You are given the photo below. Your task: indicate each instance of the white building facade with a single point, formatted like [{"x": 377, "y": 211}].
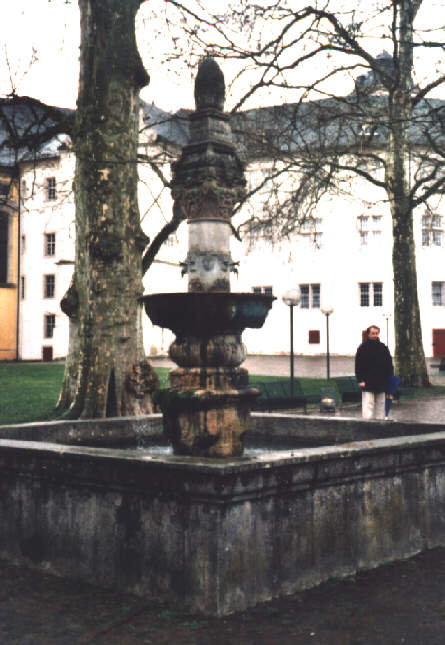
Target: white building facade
[
  {"x": 342, "y": 257},
  {"x": 343, "y": 262}
]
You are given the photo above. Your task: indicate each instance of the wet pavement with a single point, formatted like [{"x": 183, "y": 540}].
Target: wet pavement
[
  {"x": 402, "y": 602},
  {"x": 304, "y": 366},
  {"x": 428, "y": 409},
  {"x": 279, "y": 365}
]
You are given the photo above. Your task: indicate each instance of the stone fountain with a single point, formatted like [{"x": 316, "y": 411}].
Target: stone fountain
[
  {"x": 204, "y": 415},
  {"x": 216, "y": 535}
]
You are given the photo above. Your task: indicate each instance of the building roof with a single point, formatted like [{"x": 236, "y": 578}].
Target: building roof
[
  {"x": 172, "y": 129},
  {"x": 341, "y": 123},
  {"x": 346, "y": 123},
  {"x": 30, "y": 129}
]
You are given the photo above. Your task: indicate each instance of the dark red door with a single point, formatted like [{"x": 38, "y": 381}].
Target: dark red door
[
  {"x": 47, "y": 354},
  {"x": 438, "y": 343}
]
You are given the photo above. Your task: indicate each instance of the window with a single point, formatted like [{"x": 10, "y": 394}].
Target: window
[
  {"x": 22, "y": 287},
  {"x": 314, "y": 336},
  {"x": 437, "y": 294},
  {"x": 364, "y": 294},
  {"x": 310, "y": 230},
  {"x": 317, "y": 239},
  {"x": 437, "y": 238},
  {"x": 264, "y": 234},
  {"x": 378, "y": 294},
  {"x": 49, "y": 286},
  {"x": 23, "y": 244},
  {"x": 49, "y": 325},
  {"x": 371, "y": 294},
  {"x": 315, "y": 296},
  {"x": 51, "y": 192},
  {"x": 50, "y": 243},
  {"x": 432, "y": 231},
  {"x": 310, "y": 225},
  {"x": 172, "y": 240},
  {"x": 304, "y": 290},
  {"x": 369, "y": 228},
  {"x": 310, "y": 296},
  {"x": 268, "y": 291}
]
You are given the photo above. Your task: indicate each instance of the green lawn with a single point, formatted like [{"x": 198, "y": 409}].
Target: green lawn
[{"x": 29, "y": 391}]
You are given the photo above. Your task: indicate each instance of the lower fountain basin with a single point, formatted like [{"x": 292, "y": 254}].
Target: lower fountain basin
[
  {"x": 217, "y": 536},
  {"x": 206, "y": 314}
]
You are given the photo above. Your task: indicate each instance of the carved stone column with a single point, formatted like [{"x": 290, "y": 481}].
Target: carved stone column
[{"x": 203, "y": 413}]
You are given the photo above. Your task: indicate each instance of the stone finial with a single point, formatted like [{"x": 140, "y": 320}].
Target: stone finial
[
  {"x": 208, "y": 180},
  {"x": 210, "y": 88}
]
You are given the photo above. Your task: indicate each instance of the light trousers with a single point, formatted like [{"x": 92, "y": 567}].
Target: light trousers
[{"x": 373, "y": 405}]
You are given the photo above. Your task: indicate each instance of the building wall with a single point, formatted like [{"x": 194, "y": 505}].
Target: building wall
[
  {"x": 42, "y": 216},
  {"x": 8, "y": 286},
  {"x": 338, "y": 264},
  {"x": 164, "y": 276}
]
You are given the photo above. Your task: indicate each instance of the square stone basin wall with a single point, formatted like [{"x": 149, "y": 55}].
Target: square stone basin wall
[{"x": 211, "y": 535}]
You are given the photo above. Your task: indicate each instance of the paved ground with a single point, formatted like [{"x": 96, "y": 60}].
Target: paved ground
[
  {"x": 303, "y": 366},
  {"x": 431, "y": 409},
  {"x": 397, "y": 603}
]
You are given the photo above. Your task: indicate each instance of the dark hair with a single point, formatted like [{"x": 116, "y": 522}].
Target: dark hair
[{"x": 371, "y": 327}]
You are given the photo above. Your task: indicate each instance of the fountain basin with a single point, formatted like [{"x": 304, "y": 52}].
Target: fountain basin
[
  {"x": 205, "y": 314},
  {"x": 203, "y": 414},
  {"x": 219, "y": 536}
]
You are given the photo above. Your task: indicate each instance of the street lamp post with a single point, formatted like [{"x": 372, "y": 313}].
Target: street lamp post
[
  {"x": 387, "y": 316},
  {"x": 292, "y": 298},
  {"x": 327, "y": 311}
]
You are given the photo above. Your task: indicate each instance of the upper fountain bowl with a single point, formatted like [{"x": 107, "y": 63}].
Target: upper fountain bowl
[{"x": 207, "y": 313}]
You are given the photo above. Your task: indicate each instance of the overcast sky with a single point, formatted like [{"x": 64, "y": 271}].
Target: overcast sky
[{"x": 48, "y": 30}]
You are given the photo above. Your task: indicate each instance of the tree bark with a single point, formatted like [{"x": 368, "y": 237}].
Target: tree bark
[
  {"x": 106, "y": 372},
  {"x": 410, "y": 357}
]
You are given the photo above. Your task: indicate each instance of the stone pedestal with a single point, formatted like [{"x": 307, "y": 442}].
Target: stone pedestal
[{"x": 203, "y": 414}]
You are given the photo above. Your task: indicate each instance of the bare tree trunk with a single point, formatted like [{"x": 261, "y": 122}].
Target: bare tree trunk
[
  {"x": 107, "y": 373},
  {"x": 409, "y": 354},
  {"x": 410, "y": 357},
  {"x": 70, "y": 307}
]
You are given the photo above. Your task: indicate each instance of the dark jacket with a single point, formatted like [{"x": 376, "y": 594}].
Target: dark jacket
[{"x": 373, "y": 365}]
